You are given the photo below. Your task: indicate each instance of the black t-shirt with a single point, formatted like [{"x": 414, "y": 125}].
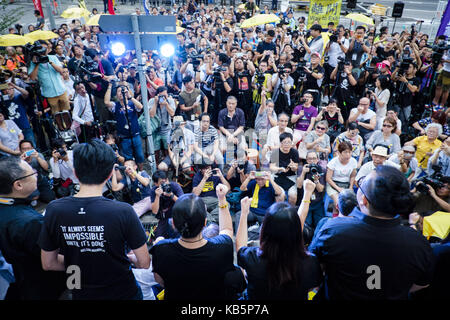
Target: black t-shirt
[
  {"x": 20, "y": 226},
  {"x": 356, "y": 252},
  {"x": 311, "y": 82},
  {"x": 405, "y": 96},
  {"x": 282, "y": 160},
  {"x": 194, "y": 274},
  {"x": 94, "y": 234},
  {"x": 333, "y": 121},
  {"x": 309, "y": 276},
  {"x": 263, "y": 46},
  {"x": 382, "y": 54}
]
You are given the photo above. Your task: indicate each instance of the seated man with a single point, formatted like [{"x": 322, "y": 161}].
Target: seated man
[
  {"x": 231, "y": 123},
  {"x": 366, "y": 118},
  {"x": 181, "y": 147},
  {"x": 138, "y": 183},
  {"x": 206, "y": 145},
  {"x": 264, "y": 192},
  {"x": 38, "y": 163},
  {"x": 239, "y": 170},
  {"x": 273, "y": 136},
  {"x": 163, "y": 196},
  {"x": 380, "y": 156},
  {"x": 204, "y": 185}
]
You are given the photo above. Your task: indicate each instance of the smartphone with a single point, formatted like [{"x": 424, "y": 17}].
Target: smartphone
[
  {"x": 29, "y": 152},
  {"x": 259, "y": 174},
  {"x": 216, "y": 171}
]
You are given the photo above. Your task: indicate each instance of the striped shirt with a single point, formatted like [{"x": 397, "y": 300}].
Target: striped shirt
[{"x": 206, "y": 138}]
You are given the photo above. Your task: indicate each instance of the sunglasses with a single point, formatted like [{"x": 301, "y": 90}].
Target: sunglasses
[
  {"x": 321, "y": 128},
  {"x": 387, "y": 126}
]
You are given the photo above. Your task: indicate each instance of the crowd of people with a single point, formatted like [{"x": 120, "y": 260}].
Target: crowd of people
[{"x": 313, "y": 154}]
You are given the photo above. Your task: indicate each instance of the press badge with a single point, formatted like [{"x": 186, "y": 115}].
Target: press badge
[
  {"x": 12, "y": 130},
  {"x": 354, "y": 56}
]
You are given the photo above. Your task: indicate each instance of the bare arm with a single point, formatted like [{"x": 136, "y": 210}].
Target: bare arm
[{"x": 52, "y": 261}]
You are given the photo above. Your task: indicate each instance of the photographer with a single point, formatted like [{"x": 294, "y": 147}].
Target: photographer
[
  {"x": 48, "y": 71},
  {"x": 344, "y": 87},
  {"x": 242, "y": 71},
  {"x": 82, "y": 114},
  {"x": 191, "y": 101},
  {"x": 407, "y": 85},
  {"x": 125, "y": 112},
  {"x": 61, "y": 164},
  {"x": 239, "y": 170},
  {"x": 314, "y": 172},
  {"x": 316, "y": 42},
  {"x": 262, "y": 80},
  {"x": 432, "y": 199},
  {"x": 264, "y": 47},
  {"x": 336, "y": 48},
  {"x": 164, "y": 107},
  {"x": 222, "y": 88},
  {"x": 357, "y": 48},
  {"x": 163, "y": 195},
  {"x": 441, "y": 159},
  {"x": 282, "y": 83},
  {"x": 314, "y": 78},
  {"x": 138, "y": 183}
]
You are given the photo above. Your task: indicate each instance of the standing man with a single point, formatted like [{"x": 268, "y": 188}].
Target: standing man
[
  {"x": 20, "y": 226},
  {"x": 316, "y": 42},
  {"x": 94, "y": 231},
  {"x": 40, "y": 20}
]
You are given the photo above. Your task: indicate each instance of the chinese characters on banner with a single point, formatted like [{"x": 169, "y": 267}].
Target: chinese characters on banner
[
  {"x": 324, "y": 11},
  {"x": 38, "y": 6}
]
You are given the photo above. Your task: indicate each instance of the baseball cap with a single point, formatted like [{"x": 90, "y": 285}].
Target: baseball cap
[{"x": 316, "y": 53}]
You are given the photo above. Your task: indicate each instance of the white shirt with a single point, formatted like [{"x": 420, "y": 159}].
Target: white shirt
[
  {"x": 62, "y": 169},
  {"x": 383, "y": 96},
  {"x": 363, "y": 116},
  {"x": 273, "y": 136},
  {"x": 82, "y": 110},
  {"x": 367, "y": 168},
  {"x": 316, "y": 46},
  {"x": 342, "y": 173},
  {"x": 335, "y": 51},
  {"x": 446, "y": 56},
  {"x": 69, "y": 87}
]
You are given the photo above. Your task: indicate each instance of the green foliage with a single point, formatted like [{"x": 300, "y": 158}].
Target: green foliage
[{"x": 9, "y": 15}]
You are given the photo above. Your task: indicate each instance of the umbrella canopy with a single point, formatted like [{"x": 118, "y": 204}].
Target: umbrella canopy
[
  {"x": 75, "y": 13},
  {"x": 42, "y": 35},
  {"x": 14, "y": 40},
  {"x": 93, "y": 21},
  {"x": 259, "y": 19},
  {"x": 360, "y": 18},
  {"x": 437, "y": 225}
]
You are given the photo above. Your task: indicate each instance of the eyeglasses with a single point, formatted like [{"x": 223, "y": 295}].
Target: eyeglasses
[
  {"x": 321, "y": 128},
  {"x": 286, "y": 143},
  {"x": 24, "y": 177},
  {"x": 387, "y": 126},
  {"x": 410, "y": 152}
]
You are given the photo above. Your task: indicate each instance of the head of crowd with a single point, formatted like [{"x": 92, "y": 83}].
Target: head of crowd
[{"x": 284, "y": 161}]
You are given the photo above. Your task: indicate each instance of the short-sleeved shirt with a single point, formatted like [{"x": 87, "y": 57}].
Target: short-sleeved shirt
[
  {"x": 233, "y": 123},
  {"x": 304, "y": 122},
  {"x": 357, "y": 144},
  {"x": 266, "y": 197},
  {"x": 9, "y": 136},
  {"x": 165, "y": 203},
  {"x": 50, "y": 80},
  {"x": 193, "y": 274},
  {"x": 309, "y": 276},
  {"x": 205, "y": 138},
  {"x": 123, "y": 129},
  {"x": 368, "y": 167},
  {"x": 324, "y": 143},
  {"x": 282, "y": 160},
  {"x": 93, "y": 233},
  {"x": 263, "y": 46},
  {"x": 17, "y": 111},
  {"x": 426, "y": 121},
  {"x": 356, "y": 252},
  {"x": 137, "y": 189},
  {"x": 424, "y": 146},
  {"x": 273, "y": 136},
  {"x": 341, "y": 172},
  {"x": 393, "y": 142},
  {"x": 209, "y": 189}
]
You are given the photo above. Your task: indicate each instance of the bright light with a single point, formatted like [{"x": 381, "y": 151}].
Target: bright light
[
  {"x": 117, "y": 49},
  {"x": 167, "y": 50}
]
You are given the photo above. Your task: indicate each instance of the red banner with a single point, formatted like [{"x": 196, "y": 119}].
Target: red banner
[
  {"x": 111, "y": 7},
  {"x": 38, "y": 6}
]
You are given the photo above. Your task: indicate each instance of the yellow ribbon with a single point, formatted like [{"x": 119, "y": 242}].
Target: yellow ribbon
[{"x": 255, "y": 198}]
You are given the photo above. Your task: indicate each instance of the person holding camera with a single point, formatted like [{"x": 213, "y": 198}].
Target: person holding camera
[
  {"x": 163, "y": 196},
  {"x": 61, "y": 164},
  {"x": 356, "y": 49},
  {"x": 282, "y": 83},
  {"x": 125, "y": 111},
  {"x": 48, "y": 70},
  {"x": 316, "y": 42},
  {"x": 441, "y": 159},
  {"x": 191, "y": 101},
  {"x": 314, "y": 78},
  {"x": 345, "y": 87},
  {"x": 138, "y": 183},
  {"x": 242, "y": 71},
  {"x": 264, "y": 47},
  {"x": 432, "y": 198},
  {"x": 82, "y": 115},
  {"x": 204, "y": 184},
  {"x": 407, "y": 85},
  {"x": 239, "y": 169},
  {"x": 110, "y": 140}
]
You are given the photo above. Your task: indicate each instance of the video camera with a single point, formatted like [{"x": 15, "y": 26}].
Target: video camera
[
  {"x": 260, "y": 78},
  {"x": 38, "y": 51},
  {"x": 216, "y": 74},
  {"x": 438, "y": 52},
  {"x": 196, "y": 59},
  {"x": 342, "y": 62},
  {"x": 334, "y": 36},
  {"x": 436, "y": 180},
  {"x": 404, "y": 65},
  {"x": 88, "y": 67}
]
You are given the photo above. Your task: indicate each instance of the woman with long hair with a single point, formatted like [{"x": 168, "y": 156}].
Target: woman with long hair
[{"x": 280, "y": 268}]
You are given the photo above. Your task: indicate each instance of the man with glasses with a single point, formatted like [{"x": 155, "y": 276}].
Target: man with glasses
[
  {"x": 273, "y": 136},
  {"x": 375, "y": 257},
  {"x": 20, "y": 226},
  {"x": 364, "y": 117}
]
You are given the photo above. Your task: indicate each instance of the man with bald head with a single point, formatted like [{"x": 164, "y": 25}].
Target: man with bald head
[{"x": 364, "y": 117}]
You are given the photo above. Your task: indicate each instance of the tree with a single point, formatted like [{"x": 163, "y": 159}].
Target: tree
[{"x": 9, "y": 16}]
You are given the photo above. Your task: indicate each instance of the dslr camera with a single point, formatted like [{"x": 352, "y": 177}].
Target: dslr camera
[
  {"x": 167, "y": 188},
  {"x": 436, "y": 180},
  {"x": 195, "y": 58},
  {"x": 216, "y": 74},
  {"x": 334, "y": 36}
]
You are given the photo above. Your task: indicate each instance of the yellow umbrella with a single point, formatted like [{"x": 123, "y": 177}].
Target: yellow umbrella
[
  {"x": 360, "y": 18},
  {"x": 14, "y": 40},
  {"x": 437, "y": 225},
  {"x": 259, "y": 19},
  {"x": 242, "y": 6},
  {"x": 42, "y": 35},
  {"x": 93, "y": 21},
  {"x": 75, "y": 13}
]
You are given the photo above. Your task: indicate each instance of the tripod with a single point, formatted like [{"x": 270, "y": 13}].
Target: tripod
[{"x": 128, "y": 125}]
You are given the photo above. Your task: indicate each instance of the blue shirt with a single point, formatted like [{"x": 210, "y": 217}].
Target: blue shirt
[
  {"x": 266, "y": 197},
  {"x": 122, "y": 123},
  {"x": 50, "y": 80},
  {"x": 137, "y": 189},
  {"x": 17, "y": 112}
]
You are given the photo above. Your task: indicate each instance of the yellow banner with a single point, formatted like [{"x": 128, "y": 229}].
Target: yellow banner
[{"x": 324, "y": 11}]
